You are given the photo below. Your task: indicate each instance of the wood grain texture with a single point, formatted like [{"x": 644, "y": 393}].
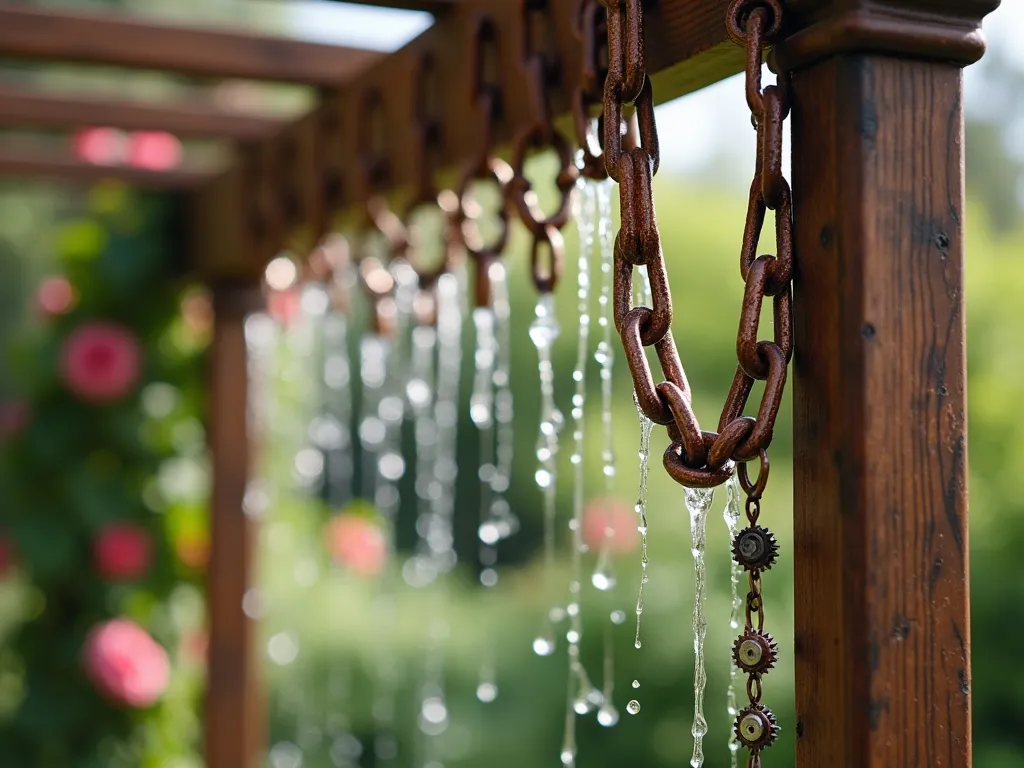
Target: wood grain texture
[
  {"x": 882, "y": 624},
  {"x": 34, "y": 109},
  {"x": 94, "y": 38},
  {"x": 234, "y": 708}
]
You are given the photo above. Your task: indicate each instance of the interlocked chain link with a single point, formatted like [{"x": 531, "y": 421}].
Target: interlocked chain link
[
  {"x": 699, "y": 458},
  {"x": 486, "y": 166},
  {"x": 543, "y": 72}
]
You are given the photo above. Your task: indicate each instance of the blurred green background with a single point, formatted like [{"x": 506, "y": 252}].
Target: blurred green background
[{"x": 320, "y": 644}]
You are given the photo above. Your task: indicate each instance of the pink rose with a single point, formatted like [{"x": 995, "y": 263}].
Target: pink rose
[
  {"x": 125, "y": 664},
  {"x": 284, "y": 306},
  {"x": 100, "y": 362},
  {"x": 155, "y": 150},
  {"x": 121, "y": 552},
  {"x": 14, "y": 417},
  {"x": 55, "y": 296},
  {"x": 357, "y": 543},
  {"x": 611, "y": 518}
]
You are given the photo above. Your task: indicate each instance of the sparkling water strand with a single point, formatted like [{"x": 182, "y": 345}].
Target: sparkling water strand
[
  {"x": 489, "y": 532},
  {"x": 698, "y": 502},
  {"x": 732, "y": 523},
  {"x": 604, "y": 576},
  {"x": 543, "y": 332},
  {"x": 420, "y": 392},
  {"x": 451, "y": 298},
  {"x": 332, "y": 432},
  {"x": 387, "y": 499},
  {"x": 581, "y": 696},
  {"x": 502, "y": 521},
  {"x": 646, "y": 428}
]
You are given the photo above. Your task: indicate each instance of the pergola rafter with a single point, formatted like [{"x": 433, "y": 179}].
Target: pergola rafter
[{"x": 27, "y": 108}]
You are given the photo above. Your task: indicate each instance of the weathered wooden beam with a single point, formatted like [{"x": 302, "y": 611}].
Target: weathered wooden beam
[
  {"x": 881, "y": 558},
  {"x": 94, "y": 38},
  {"x": 234, "y": 706},
  {"x": 688, "y": 48},
  {"x": 34, "y": 164},
  {"x": 35, "y": 109}
]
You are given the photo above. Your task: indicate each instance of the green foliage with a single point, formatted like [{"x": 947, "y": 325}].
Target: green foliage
[{"x": 78, "y": 467}]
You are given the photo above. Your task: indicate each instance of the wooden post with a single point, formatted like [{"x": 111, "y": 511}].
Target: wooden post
[
  {"x": 882, "y": 620},
  {"x": 234, "y": 709}
]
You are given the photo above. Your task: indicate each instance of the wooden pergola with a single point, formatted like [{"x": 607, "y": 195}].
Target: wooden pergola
[{"x": 881, "y": 554}]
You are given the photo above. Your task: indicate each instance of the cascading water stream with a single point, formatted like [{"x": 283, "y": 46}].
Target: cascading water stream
[
  {"x": 698, "y": 502},
  {"x": 581, "y": 696},
  {"x": 543, "y": 332},
  {"x": 732, "y": 523}
]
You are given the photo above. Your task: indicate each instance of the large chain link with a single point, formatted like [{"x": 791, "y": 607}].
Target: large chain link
[{"x": 698, "y": 458}]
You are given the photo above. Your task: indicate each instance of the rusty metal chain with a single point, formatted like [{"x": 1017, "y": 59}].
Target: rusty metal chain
[
  {"x": 699, "y": 458},
  {"x": 486, "y": 95},
  {"x": 543, "y": 71},
  {"x": 372, "y": 177},
  {"x": 592, "y": 30},
  {"x": 428, "y": 143}
]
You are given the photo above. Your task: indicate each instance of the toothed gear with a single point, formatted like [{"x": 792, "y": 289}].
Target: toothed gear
[
  {"x": 756, "y": 728},
  {"x": 755, "y": 548},
  {"x": 755, "y": 652}
]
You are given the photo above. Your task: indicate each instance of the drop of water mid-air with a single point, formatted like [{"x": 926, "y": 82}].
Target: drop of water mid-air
[
  {"x": 487, "y": 692},
  {"x": 608, "y": 716},
  {"x": 633, "y": 707}
]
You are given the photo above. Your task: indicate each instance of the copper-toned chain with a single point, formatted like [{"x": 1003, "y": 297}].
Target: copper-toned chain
[
  {"x": 428, "y": 144},
  {"x": 542, "y": 70},
  {"x": 592, "y": 31},
  {"x": 698, "y": 458},
  {"x": 486, "y": 95}
]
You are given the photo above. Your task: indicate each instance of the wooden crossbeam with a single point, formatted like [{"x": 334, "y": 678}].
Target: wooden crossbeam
[
  {"x": 35, "y": 109},
  {"x": 38, "y": 34},
  {"x": 687, "y": 49},
  {"x": 33, "y": 164}
]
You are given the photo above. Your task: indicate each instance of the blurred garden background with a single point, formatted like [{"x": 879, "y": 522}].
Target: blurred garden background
[{"x": 104, "y": 479}]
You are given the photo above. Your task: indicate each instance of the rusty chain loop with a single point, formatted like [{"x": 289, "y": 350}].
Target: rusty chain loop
[
  {"x": 543, "y": 71},
  {"x": 486, "y": 95},
  {"x": 428, "y": 144},
  {"x": 698, "y": 458}
]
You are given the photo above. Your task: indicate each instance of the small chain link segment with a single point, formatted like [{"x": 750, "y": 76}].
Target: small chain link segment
[
  {"x": 486, "y": 94},
  {"x": 542, "y": 69}
]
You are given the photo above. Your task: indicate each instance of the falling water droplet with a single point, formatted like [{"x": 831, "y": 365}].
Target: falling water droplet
[
  {"x": 487, "y": 692},
  {"x": 633, "y": 707},
  {"x": 618, "y": 617},
  {"x": 636, "y": 683},
  {"x": 543, "y": 646},
  {"x": 608, "y": 716}
]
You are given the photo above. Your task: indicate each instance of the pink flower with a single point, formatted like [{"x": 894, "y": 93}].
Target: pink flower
[
  {"x": 155, "y": 150},
  {"x": 284, "y": 306},
  {"x": 612, "y": 519},
  {"x": 100, "y": 362},
  {"x": 125, "y": 664},
  {"x": 14, "y": 417},
  {"x": 55, "y": 296},
  {"x": 121, "y": 552},
  {"x": 357, "y": 543}
]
